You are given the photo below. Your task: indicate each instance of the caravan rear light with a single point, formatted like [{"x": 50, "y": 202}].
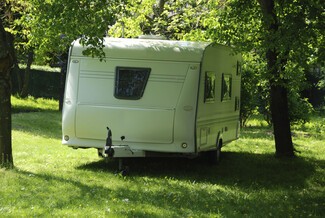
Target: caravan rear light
[
  {"x": 184, "y": 145},
  {"x": 66, "y": 138}
]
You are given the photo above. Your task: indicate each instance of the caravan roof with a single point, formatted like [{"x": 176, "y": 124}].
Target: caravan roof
[{"x": 149, "y": 49}]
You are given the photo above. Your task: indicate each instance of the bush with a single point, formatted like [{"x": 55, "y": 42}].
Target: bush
[
  {"x": 255, "y": 92},
  {"x": 248, "y": 102},
  {"x": 300, "y": 109},
  {"x": 249, "y": 87}
]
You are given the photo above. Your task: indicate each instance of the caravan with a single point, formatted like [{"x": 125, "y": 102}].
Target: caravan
[{"x": 157, "y": 97}]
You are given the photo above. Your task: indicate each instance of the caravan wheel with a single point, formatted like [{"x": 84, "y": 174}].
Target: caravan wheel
[
  {"x": 218, "y": 153},
  {"x": 214, "y": 156}
]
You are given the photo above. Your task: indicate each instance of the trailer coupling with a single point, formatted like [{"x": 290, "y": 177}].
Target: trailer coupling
[
  {"x": 113, "y": 151},
  {"x": 108, "y": 150}
]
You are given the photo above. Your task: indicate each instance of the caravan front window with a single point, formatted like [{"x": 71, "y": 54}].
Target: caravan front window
[{"x": 130, "y": 82}]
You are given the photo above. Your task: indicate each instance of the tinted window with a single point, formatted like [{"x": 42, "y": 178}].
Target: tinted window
[
  {"x": 130, "y": 82},
  {"x": 209, "y": 89},
  {"x": 226, "y": 87}
]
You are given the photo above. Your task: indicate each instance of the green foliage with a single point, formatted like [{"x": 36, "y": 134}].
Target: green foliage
[
  {"x": 181, "y": 20},
  {"x": 251, "y": 87},
  {"x": 241, "y": 25},
  {"x": 244, "y": 25},
  {"x": 255, "y": 92},
  {"x": 300, "y": 109},
  {"x": 49, "y": 27},
  {"x": 81, "y": 184},
  {"x": 15, "y": 25},
  {"x": 129, "y": 21}
]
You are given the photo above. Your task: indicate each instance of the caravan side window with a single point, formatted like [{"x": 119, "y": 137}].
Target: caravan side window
[
  {"x": 226, "y": 87},
  {"x": 130, "y": 82},
  {"x": 209, "y": 88}
]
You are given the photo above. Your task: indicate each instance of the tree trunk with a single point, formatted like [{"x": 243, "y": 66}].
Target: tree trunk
[
  {"x": 161, "y": 6},
  {"x": 279, "y": 95},
  {"x": 281, "y": 123},
  {"x": 6, "y": 159},
  {"x": 62, "y": 82},
  {"x": 16, "y": 70},
  {"x": 24, "y": 90}
]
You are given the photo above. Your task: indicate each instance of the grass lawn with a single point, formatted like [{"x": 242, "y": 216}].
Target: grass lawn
[
  {"x": 51, "y": 180},
  {"x": 31, "y": 104}
]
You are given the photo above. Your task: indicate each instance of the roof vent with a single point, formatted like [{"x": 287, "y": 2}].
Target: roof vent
[{"x": 156, "y": 37}]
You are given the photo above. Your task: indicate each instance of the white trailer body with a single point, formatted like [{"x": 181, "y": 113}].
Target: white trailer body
[{"x": 156, "y": 96}]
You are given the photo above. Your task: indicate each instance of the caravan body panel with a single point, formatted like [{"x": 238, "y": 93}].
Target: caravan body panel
[{"x": 219, "y": 94}]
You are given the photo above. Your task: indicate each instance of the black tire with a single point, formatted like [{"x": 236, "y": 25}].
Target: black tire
[
  {"x": 218, "y": 154},
  {"x": 214, "y": 156}
]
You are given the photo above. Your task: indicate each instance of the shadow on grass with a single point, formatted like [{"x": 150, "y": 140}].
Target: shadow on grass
[
  {"x": 29, "y": 109},
  {"x": 257, "y": 132},
  {"x": 240, "y": 169},
  {"x": 47, "y": 124},
  {"x": 184, "y": 188}
]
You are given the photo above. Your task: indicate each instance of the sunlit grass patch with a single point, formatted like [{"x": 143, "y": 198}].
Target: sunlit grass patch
[
  {"x": 41, "y": 68},
  {"x": 31, "y": 104}
]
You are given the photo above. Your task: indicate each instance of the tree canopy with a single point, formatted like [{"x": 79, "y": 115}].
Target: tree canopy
[{"x": 50, "y": 26}]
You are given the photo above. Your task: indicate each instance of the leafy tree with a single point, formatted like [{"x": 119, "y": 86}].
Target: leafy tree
[
  {"x": 180, "y": 20},
  {"x": 54, "y": 24},
  {"x": 22, "y": 52},
  {"x": 44, "y": 30},
  {"x": 251, "y": 85},
  {"x": 283, "y": 33}
]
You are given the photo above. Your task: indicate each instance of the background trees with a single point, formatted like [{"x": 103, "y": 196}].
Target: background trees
[{"x": 286, "y": 34}]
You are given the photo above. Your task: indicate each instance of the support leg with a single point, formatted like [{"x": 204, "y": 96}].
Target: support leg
[{"x": 120, "y": 164}]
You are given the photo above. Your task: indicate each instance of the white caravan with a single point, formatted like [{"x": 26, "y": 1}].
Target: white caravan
[{"x": 157, "y": 97}]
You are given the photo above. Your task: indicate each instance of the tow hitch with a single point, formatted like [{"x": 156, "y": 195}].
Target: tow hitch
[
  {"x": 118, "y": 151},
  {"x": 108, "y": 150}
]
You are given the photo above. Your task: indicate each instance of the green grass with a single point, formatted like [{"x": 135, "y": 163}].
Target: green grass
[
  {"x": 41, "y": 68},
  {"x": 51, "y": 180},
  {"x": 31, "y": 104}
]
